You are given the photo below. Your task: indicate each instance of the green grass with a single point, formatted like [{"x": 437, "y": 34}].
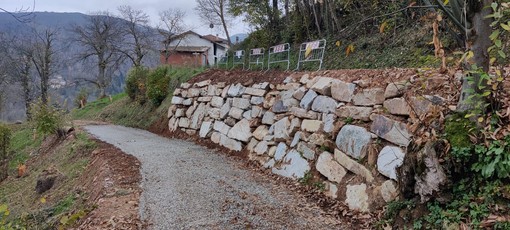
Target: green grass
[
  {"x": 92, "y": 109},
  {"x": 22, "y": 144}
]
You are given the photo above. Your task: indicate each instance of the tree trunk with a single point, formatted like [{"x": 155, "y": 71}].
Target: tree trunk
[
  {"x": 481, "y": 42},
  {"x": 223, "y": 22}
]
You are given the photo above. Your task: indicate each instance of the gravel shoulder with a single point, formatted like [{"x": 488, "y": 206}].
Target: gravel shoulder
[{"x": 187, "y": 186}]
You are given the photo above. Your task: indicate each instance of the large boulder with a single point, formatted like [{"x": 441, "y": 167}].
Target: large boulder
[
  {"x": 241, "y": 131},
  {"x": 354, "y": 141},
  {"x": 294, "y": 166},
  {"x": 324, "y": 104},
  {"x": 307, "y": 100},
  {"x": 357, "y": 197},
  {"x": 390, "y": 130},
  {"x": 342, "y": 91},
  {"x": 389, "y": 159},
  {"x": 328, "y": 167}
]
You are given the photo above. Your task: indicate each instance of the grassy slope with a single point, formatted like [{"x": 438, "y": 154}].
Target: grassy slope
[{"x": 70, "y": 157}]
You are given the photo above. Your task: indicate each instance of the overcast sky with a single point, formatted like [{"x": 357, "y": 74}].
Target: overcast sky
[{"x": 151, "y": 7}]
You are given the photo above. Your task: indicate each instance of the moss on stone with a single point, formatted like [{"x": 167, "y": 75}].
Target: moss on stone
[{"x": 457, "y": 130}]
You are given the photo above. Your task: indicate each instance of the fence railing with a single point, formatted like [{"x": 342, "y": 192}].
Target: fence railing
[
  {"x": 238, "y": 58},
  {"x": 256, "y": 58},
  {"x": 309, "y": 52},
  {"x": 278, "y": 54}
]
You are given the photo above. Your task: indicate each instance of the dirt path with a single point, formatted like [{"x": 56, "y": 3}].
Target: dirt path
[{"x": 186, "y": 186}]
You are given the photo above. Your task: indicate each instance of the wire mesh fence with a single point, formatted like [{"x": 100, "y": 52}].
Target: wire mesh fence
[
  {"x": 222, "y": 61},
  {"x": 279, "y": 54},
  {"x": 311, "y": 52},
  {"x": 256, "y": 58},
  {"x": 238, "y": 59}
]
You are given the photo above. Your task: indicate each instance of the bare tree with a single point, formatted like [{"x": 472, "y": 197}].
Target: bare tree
[
  {"x": 171, "y": 24},
  {"x": 24, "y": 14},
  {"x": 43, "y": 58},
  {"x": 100, "y": 39},
  {"x": 216, "y": 13},
  {"x": 139, "y": 34}
]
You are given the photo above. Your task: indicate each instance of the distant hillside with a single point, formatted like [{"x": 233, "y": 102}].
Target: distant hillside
[
  {"x": 241, "y": 38},
  {"x": 69, "y": 67}
]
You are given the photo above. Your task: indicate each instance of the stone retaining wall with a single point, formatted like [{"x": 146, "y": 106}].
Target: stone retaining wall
[{"x": 354, "y": 136}]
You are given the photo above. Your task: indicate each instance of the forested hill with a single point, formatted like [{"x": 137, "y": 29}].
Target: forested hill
[{"x": 67, "y": 66}]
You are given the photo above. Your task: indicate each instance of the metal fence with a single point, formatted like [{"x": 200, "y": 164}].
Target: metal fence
[
  {"x": 223, "y": 60},
  {"x": 238, "y": 58},
  {"x": 311, "y": 52},
  {"x": 256, "y": 58},
  {"x": 279, "y": 54}
]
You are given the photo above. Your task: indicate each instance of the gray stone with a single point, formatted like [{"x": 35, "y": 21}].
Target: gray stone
[
  {"x": 264, "y": 85},
  {"x": 198, "y": 116},
  {"x": 216, "y": 137},
  {"x": 179, "y": 113},
  {"x": 330, "y": 168},
  {"x": 255, "y": 92},
  {"x": 420, "y": 105},
  {"x": 241, "y": 103},
  {"x": 369, "y": 97},
  {"x": 287, "y": 86},
  {"x": 354, "y": 141},
  {"x": 177, "y": 100},
  {"x": 342, "y": 91},
  {"x": 221, "y": 127},
  {"x": 311, "y": 125},
  {"x": 389, "y": 159},
  {"x": 395, "y": 89},
  {"x": 205, "y": 129},
  {"x": 217, "y": 102},
  {"x": 247, "y": 115},
  {"x": 184, "y": 122},
  {"x": 214, "y": 113},
  {"x": 296, "y": 139},
  {"x": 261, "y": 148},
  {"x": 329, "y": 122},
  {"x": 257, "y": 100},
  {"x": 230, "y": 121},
  {"x": 251, "y": 145},
  {"x": 357, "y": 197},
  {"x": 289, "y": 79},
  {"x": 299, "y": 93},
  {"x": 323, "y": 85},
  {"x": 268, "y": 118},
  {"x": 304, "y": 79},
  {"x": 353, "y": 166},
  {"x": 261, "y": 132},
  {"x": 188, "y": 101},
  {"x": 224, "y": 92},
  {"x": 230, "y": 143},
  {"x": 306, "y": 151},
  {"x": 294, "y": 166},
  {"x": 303, "y": 113},
  {"x": 284, "y": 105},
  {"x": 280, "y": 152},
  {"x": 308, "y": 99},
  {"x": 202, "y": 83},
  {"x": 256, "y": 111},
  {"x": 390, "y": 130},
  {"x": 236, "y": 113},
  {"x": 331, "y": 190},
  {"x": 173, "y": 124},
  {"x": 324, "y": 104},
  {"x": 185, "y": 85},
  {"x": 241, "y": 131},
  {"x": 318, "y": 139},
  {"x": 213, "y": 90},
  {"x": 272, "y": 151},
  {"x": 171, "y": 111},
  {"x": 397, "y": 106},
  {"x": 236, "y": 90},
  {"x": 281, "y": 129},
  {"x": 389, "y": 191},
  {"x": 225, "y": 108},
  {"x": 354, "y": 112},
  {"x": 432, "y": 179},
  {"x": 269, "y": 164},
  {"x": 193, "y": 92},
  {"x": 204, "y": 99},
  {"x": 190, "y": 111},
  {"x": 295, "y": 124}
]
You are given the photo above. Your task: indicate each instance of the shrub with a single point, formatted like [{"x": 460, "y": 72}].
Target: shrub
[
  {"x": 157, "y": 84},
  {"x": 47, "y": 119},
  {"x": 135, "y": 83},
  {"x": 81, "y": 99},
  {"x": 5, "y": 140}
]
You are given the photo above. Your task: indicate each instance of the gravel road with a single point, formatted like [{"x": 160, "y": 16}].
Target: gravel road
[{"x": 187, "y": 186}]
